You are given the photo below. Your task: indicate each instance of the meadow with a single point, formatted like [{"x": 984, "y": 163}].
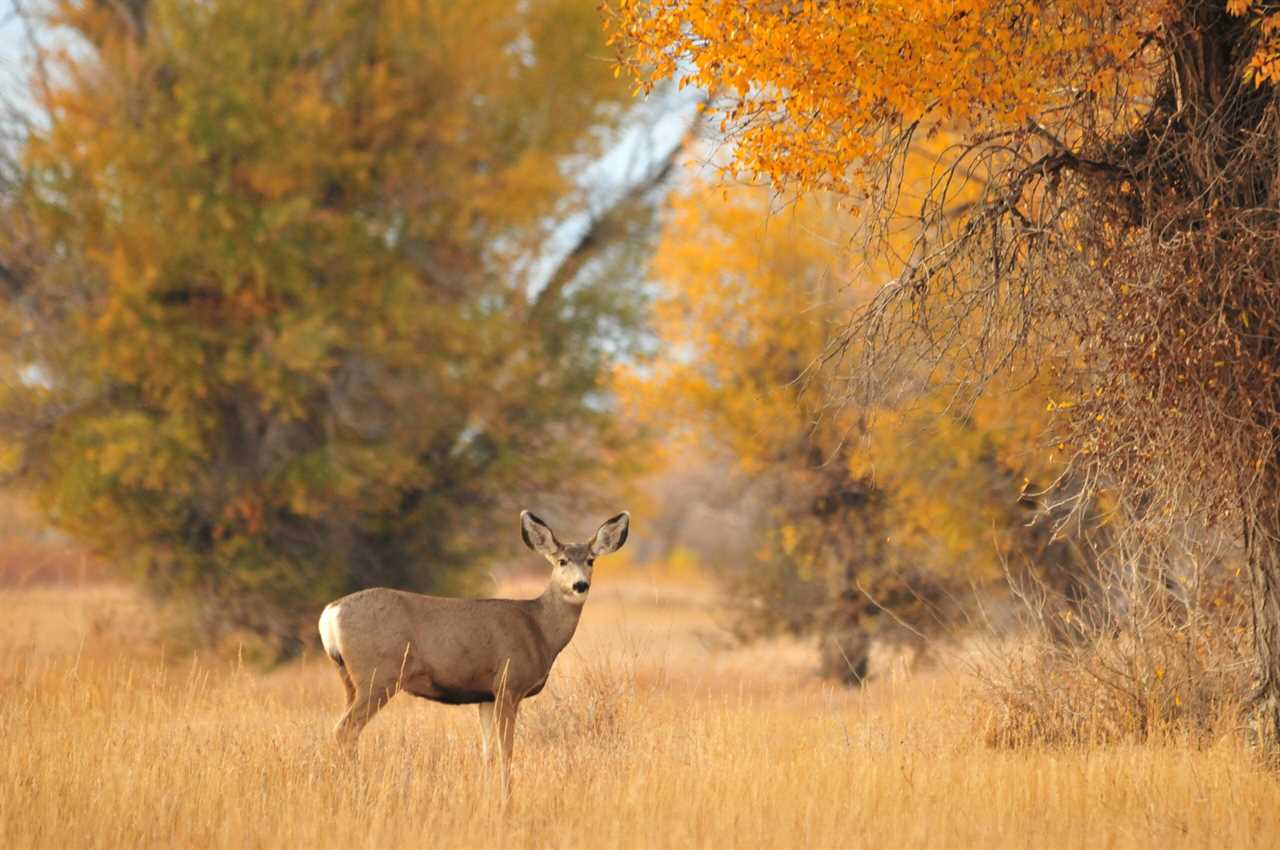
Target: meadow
[
  {"x": 863, "y": 305},
  {"x": 655, "y": 731}
]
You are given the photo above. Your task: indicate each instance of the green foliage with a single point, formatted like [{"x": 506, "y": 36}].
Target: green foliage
[{"x": 285, "y": 346}]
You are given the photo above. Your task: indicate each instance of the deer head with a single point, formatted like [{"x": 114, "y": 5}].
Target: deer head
[{"x": 572, "y": 563}]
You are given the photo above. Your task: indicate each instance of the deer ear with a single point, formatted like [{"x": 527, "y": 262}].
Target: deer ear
[
  {"x": 538, "y": 535},
  {"x": 610, "y": 536}
]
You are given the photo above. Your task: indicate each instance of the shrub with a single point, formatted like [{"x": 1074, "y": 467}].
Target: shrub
[{"x": 1160, "y": 653}]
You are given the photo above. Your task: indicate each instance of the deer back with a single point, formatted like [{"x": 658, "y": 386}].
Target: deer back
[{"x": 450, "y": 650}]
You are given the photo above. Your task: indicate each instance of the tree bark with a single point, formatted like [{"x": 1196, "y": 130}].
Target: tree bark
[{"x": 1263, "y": 543}]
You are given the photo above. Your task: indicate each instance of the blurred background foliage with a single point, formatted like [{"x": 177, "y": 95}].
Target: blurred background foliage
[
  {"x": 903, "y": 506},
  {"x": 273, "y": 333},
  {"x": 291, "y": 308}
]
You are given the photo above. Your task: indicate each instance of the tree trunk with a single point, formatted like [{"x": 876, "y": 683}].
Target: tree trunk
[
  {"x": 845, "y": 655},
  {"x": 1263, "y": 542}
]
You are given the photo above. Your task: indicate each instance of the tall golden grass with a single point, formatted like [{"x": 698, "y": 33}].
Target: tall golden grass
[{"x": 652, "y": 733}]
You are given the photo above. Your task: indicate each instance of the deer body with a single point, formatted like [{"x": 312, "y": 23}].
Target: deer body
[
  {"x": 448, "y": 650},
  {"x": 491, "y": 652}
]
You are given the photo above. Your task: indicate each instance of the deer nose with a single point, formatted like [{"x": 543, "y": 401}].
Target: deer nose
[{"x": 580, "y": 586}]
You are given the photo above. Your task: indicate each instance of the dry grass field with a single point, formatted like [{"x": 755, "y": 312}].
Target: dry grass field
[{"x": 652, "y": 733}]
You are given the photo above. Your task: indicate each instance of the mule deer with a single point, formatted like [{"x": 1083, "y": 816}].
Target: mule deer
[{"x": 491, "y": 652}]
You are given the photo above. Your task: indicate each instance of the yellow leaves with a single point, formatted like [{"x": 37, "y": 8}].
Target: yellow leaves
[
  {"x": 751, "y": 284},
  {"x": 733, "y": 273},
  {"x": 1264, "y": 65},
  {"x": 837, "y": 82},
  {"x": 789, "y": 538}
]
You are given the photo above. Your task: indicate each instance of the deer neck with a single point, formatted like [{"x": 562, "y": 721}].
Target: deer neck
[{"x": 558, "y": 618}]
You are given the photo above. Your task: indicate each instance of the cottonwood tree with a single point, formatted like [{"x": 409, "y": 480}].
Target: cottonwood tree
[
  {"x": 854, "y": 508},
  {"x": 284, "y": 340},
  {"x": 1111, "y": 192}
]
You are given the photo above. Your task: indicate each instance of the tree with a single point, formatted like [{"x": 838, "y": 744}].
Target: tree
[
  {"x": 861, "y": 507},
  {"x": 1124, "y": 163},
  {"x": 286, "y": 342}
]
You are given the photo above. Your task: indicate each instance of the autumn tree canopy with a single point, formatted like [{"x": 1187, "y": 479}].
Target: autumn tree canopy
[
  {"x": 1109, "y": 191},
  {"x": 886, "y": 498},
  {"x": 285, "y": 340}
]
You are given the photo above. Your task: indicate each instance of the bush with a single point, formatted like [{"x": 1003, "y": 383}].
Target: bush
[{"x": 1158, "y": 656}]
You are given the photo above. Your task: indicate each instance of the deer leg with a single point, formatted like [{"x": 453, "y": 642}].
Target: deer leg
[
  {"x": 505, "y": 711},
  {"x": 498, "y": 732},
  {"x": 486, "y": 729},
  {"x": 360, "y": 711},
  {"x": 347, "y": 685}
]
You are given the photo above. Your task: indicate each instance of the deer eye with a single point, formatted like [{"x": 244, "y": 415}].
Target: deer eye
[
  {"x": 563, "y": 561},
  {"x": 591, "y": 562}
]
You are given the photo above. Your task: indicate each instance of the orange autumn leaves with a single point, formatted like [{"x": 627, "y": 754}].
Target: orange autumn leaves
[
  {"x": 1264, "y": 66},
  {"x": 812, "y": 91}
]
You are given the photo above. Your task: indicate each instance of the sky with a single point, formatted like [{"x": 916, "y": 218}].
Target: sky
[
  {"x": 646, "y": 138},
  {"x": 15, "y": 60},
  {"x": 12, "y": 53}
]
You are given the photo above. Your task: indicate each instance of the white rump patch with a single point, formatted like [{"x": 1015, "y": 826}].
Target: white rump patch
[{"x": 329, "y": 634}]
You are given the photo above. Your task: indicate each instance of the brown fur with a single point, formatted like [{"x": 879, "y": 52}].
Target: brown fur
[{"x": 492, "y": 652}]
